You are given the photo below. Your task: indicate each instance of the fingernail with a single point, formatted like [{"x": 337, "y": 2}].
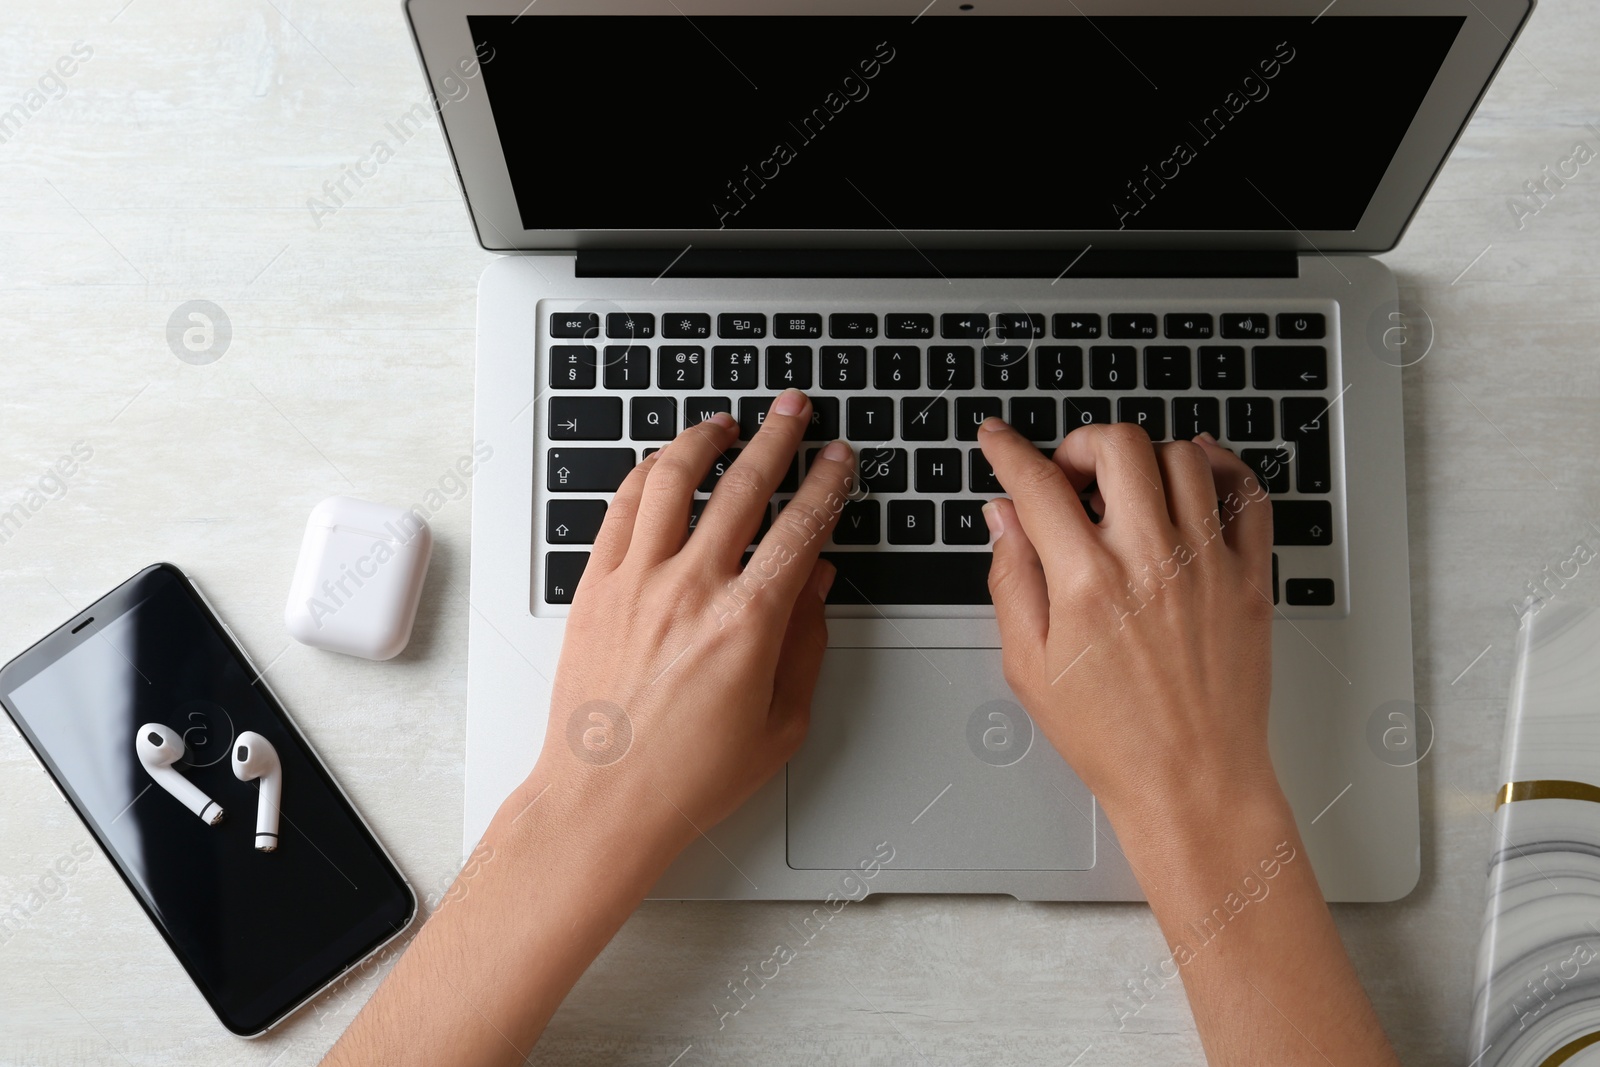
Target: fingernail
[
  {"x": 789, "y": 402},
  {"x": 837, "y": 450},
  {"x": 1206, "y": 437},
  {"x": 991, "y": 515},
  {"x": 723, "y": 419},
  {"x": 993, "y": 424},
  {"x": 825, "y": 583}
]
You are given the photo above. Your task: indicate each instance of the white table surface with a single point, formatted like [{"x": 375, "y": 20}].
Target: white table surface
[{"x": 177, "y": 165}]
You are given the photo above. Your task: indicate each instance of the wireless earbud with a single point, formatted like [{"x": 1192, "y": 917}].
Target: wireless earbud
[
  {"x": 254, "y": 757},
  {"x": 159, "y": 747}
]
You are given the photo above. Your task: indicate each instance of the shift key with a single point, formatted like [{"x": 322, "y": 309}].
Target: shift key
[
  {"x": 1302, "y": 522},
  {"x": 588, "y": 470}
]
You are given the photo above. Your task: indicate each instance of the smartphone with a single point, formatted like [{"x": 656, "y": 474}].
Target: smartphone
[{"x": 260, "y": 933}]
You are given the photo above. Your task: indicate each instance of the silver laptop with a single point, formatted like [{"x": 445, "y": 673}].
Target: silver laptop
[{"x": 925, "y": 213}]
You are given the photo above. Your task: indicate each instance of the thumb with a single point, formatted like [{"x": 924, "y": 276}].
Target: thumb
[
  {"x": 800, "y": 658},
  {"x": 1016, "y": 582}
]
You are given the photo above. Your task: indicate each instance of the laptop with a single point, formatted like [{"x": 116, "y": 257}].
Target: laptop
[{"x": 926, "y": 213}]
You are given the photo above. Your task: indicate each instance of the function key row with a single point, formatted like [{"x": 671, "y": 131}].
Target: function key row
[
  {"x": 995, "y": 329},
  {"x": 1276, "y": 368}
]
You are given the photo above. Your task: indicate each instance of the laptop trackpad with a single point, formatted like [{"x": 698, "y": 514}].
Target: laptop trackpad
[{"x": 930, "y": 752}]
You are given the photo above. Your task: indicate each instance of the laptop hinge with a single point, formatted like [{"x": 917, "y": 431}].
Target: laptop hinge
[{"x": 930, "y": 263}]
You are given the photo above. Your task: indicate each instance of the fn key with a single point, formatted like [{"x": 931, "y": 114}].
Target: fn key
[{"x": 561, "y": 573}]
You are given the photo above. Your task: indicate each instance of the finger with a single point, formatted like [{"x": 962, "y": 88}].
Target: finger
[
  {"x": 611, "y": 543},
  {"x": 1122, "y": 463},
  {"x": 785, "y": 556},
  {"x": 661, "y": 523},
  {"x": 1191, "y": 492},
  {"x": 743, "y": 493},
  {"x": 1045, "y": 499},
  {"x": 1016, "y": 582},
  {"x": 1246, "y": 507},
  {"x": 800, "y": 659}
]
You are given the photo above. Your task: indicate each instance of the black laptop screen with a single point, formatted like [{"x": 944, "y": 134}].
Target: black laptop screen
[{"x": 991, "y": 123}]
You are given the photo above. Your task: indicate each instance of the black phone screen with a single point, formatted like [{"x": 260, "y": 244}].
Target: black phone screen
[{"x": 258, "y": 932}]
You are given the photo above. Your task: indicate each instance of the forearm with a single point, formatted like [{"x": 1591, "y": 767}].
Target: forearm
[
  {"x": 518, "y": 928},
  {"x": 1267, "y": 977}
]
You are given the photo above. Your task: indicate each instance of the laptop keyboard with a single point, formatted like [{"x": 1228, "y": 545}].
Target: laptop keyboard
[{"x": 908, "y": 390}]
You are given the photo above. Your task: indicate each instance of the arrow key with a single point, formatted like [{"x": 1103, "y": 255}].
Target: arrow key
[
  {"x": 585, "y": 418},
  {"x": 573, "y": 522}
]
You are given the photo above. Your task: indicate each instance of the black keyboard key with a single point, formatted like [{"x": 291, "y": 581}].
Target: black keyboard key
[
  {"x": 853, "y": 326},
  {"x": 742, "y": 325},
  {"x": 824, "y": 425},
  {"x": 575, "y": 324},
  {"x": 1077, "y": 327},
  {"x": 963, "y": 523},
  {"x": 924, "y": 418},
  {"x": 1252, "y": 326},
  {"x": 572, "y": 366},
  {"x": 681, "y": 366},
  {"x": 788, "y": 366},
  {"x": 1305, "y": 424},
  {"x": 1113, "y": 367},
  {"x": 652, "y": 418},
  {"x": 627, "y": 367},
  {"x": 588, "y": 470},
  {"x": 1188, "y": 326},
  {"x": 869, "y": 418},
  {"x": 1194, "y": 415},
  {"x": 1018, "y": 326},
  {"x": 844, "y": 367},
  {"x": 1279, "y": 369},
  {"x": 1250, "y": 418},
  {"x": 630, "y": 326},
  {"x": 908, "y": 327},
  {"x": 1271, "y": 466},
  {"x": 733, "y": 367},
  {"x": 1309, "y": 592},
  {"x": 1060, "y": 367},
  {"x": 859, "y": 523},
  {"x": 790, "y": 480},
  {"x": 883, "y": 470},
  {"x": 1221, "y": 367},
  {"x": 1034, "y": 417},
  {"x": 752, "y": 413},
  {"x": 585, "y": 418},
  {"x": 1302, "y": 522},
  {"x": 791, "y": 326},
  {"x": 698, "y": 409},
  {"x": 938, "y": 470},
  {"x": 980, "y": 475},
  {"x": 690, "y": 325},
  {"x": 1085, "y": 410},
  {"x": 963, "y": 327},
  {"x": 719, "y": 467},
  {"x": 951, "y": 368},
  {"x": 911, "y": 522},
  {"x": 970, "y": 413},
  {"x": 562, "y": 572},
  {"x": 1148, "y": 412},
  {"x": 896, "y": 367},
  {"x": 1005, "y": 367},
  {"x": 1138, "y": 325},
  {"x": 902, "y": 577},
  {"x": 1166, "y": 367},
  {"x": 573, "y": 522},
  {"x": 1302, "y": 326}
]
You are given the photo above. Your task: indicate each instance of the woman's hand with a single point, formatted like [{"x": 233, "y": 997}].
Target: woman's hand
[{"x": 686, "y": 676}]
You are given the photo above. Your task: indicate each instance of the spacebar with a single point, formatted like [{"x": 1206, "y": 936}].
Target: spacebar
[{"x": 910, "y": 577}]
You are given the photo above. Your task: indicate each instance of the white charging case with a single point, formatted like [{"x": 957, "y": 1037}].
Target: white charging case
[{"x": 359, "y": 577}]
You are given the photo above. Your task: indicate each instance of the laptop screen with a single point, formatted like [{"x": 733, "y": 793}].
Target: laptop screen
[{"x": 996, "y": 123}]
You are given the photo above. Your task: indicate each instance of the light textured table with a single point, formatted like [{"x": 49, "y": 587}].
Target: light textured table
[{"x": 176, "y": 163}]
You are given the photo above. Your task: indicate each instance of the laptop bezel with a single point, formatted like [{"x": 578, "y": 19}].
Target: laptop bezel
[{"x": 445, "y": 47}]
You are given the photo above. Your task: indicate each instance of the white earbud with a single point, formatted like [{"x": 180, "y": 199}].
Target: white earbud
[
  {"x": 254, "y": 757},
  {"x": 159, "y": 747}
]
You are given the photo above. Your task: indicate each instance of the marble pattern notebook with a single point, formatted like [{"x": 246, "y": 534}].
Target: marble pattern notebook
[{"x": 1536, "y": 992}]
